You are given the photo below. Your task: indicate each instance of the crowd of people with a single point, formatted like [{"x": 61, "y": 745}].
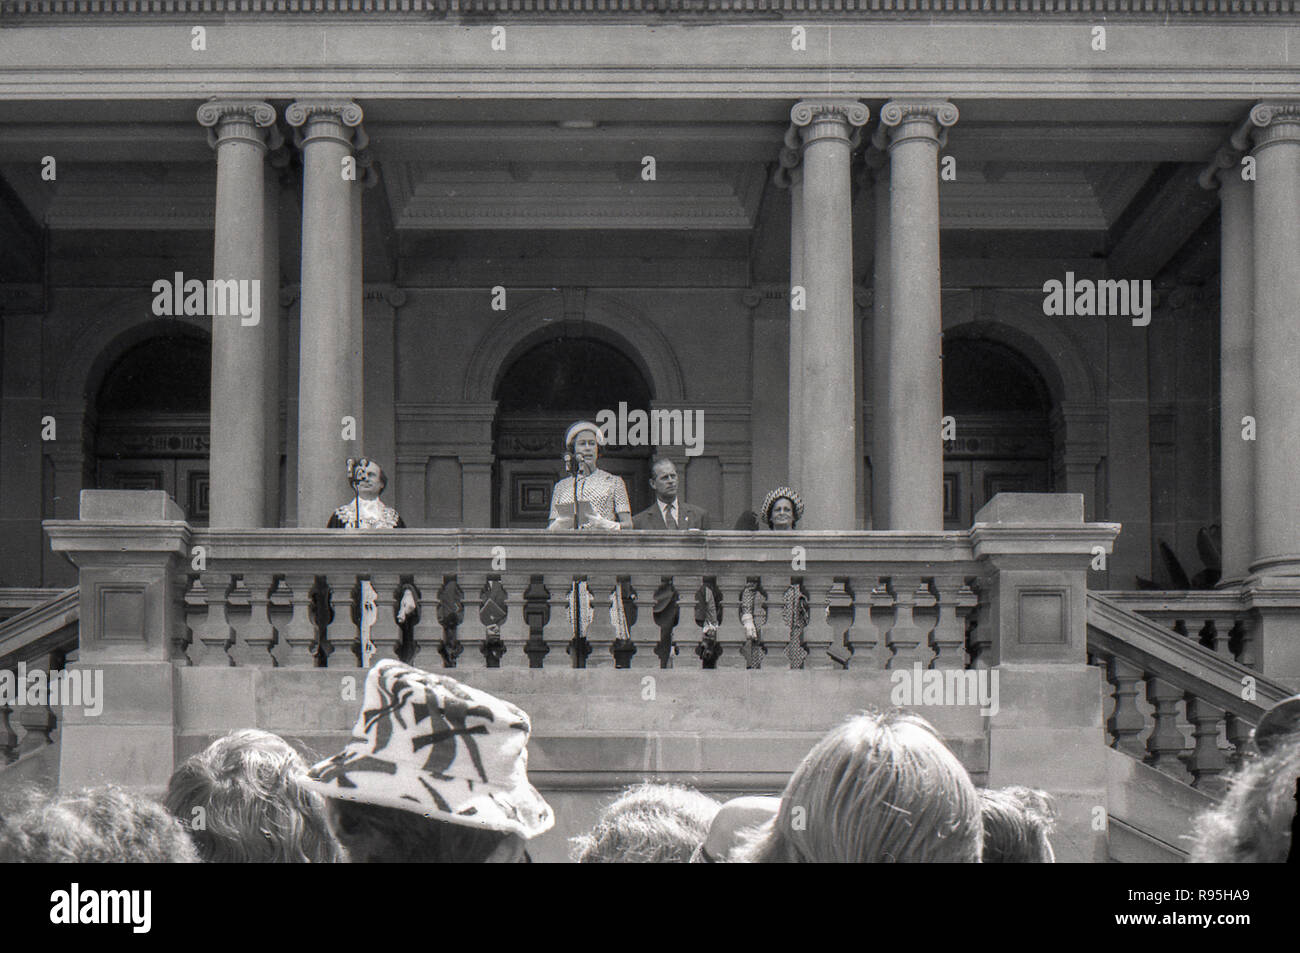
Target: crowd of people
[{"x": 436, "y": 771}]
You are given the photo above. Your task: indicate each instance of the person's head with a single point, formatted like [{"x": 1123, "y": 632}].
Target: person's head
[
  {"x": 1017, "y": 821},
  {"x": 103, "y": 825},
  {"x": 387, "y": 835},
  {"x": 663, "y": 479},
  {"x": 368, "y": 478},
  {"x": 436, "y": 771},
  {"x": 584, "y": 439},
  {"x": 747, "y": 520},
  {"x": 244, "y": 802},
  {"x": 733, "y": 824},
  {"x": 1253, "y": 824},
  {"x": 880, "y": 788},
  {"x": 782, "y": 508},
  {"x": 648, "y": 824}
]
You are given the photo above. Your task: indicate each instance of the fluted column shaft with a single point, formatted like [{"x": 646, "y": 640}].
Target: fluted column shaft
[
  {"x": 329, "y": 372},
  {"x": 1236, "y": 373},
  {"x": 827, "y": 418},
  {"x": 914, "y": 390},
  {"x": 237, "y": 130},
  {"x": 1277, "y": 329}
]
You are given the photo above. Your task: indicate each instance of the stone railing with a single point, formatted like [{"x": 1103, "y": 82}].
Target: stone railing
[
  {"x": 1185, "y": 708},
  {"x": 41, "y": 639},
  {"x": 291, "y": 597},
  {"x": 1216, "y": 619}
]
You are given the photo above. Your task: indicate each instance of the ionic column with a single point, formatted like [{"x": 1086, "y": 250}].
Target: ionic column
[
  {"x": 237, "y": 131},
  {"x": 1277, "y": 330},
  {"x": 914, "y": 389},
  {"x": 1236, "y": 361},
  {"x": 794, "y": 467},
  {"x": 329, "y": 372},
  {"x": 824, "y": 414},
  {"x": 881, "y": 430}
]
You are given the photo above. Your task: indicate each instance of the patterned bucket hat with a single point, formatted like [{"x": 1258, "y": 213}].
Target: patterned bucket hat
[
  {"x": 770, "y": 500},
  {"x": 428, "y": 744}
]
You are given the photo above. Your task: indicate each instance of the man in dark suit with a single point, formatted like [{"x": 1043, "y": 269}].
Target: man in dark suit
[{"x": 668, "y": 512}]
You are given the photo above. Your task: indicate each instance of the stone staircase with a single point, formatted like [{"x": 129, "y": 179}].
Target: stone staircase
[{"x": 41, "y": 637}]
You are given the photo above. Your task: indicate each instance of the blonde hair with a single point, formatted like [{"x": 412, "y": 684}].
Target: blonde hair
[
  {"x": 1252, "y": 825},
  {"x": 243, "y": 801},
  {"x": 1017, "y": 821},
  {"x": 649, "y": 824},
  {"x": 880, "y": 788}
]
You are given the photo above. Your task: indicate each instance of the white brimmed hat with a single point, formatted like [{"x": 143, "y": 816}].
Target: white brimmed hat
[
  {"x": 430, "y": 745},
  {"x": 571, "y": 434}
]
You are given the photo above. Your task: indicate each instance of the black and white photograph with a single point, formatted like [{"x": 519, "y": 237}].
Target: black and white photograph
[{"x": 651, "y": 431}]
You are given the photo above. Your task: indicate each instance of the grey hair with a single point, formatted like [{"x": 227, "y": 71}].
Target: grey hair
[
  {"x": 648, "y": 824},
  {"x": 1253, "y": 822}
]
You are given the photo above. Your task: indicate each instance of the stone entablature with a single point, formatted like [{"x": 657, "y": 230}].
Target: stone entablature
[{"x": 658, "y": 9}]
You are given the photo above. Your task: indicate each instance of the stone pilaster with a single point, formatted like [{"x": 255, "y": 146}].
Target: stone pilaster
[
  {"x": 237, "y": 130},
  {"x": 914, "y": 389},
  {"x": 330, "y": 373}
]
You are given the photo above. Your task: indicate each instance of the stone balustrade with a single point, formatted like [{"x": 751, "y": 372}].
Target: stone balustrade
[{"x": 1217, "y": 619}]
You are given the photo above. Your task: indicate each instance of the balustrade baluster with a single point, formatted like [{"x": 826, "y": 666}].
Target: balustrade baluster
[
  {"x": 645, "y": 635},
  {"x": 667, "y": 613},
  {"x": 954, "y": 601},
  {"x": 1249, "y": 653},
  {"x": 839, "y": 617},
  {"x": 194, "y": 610},
  {"x": 600, "y": 634},
  {"x": 492, "y": 613},
  {"x": 297, "y": 645},
  {"x": 386, "y": 634},
  {"x": 1206, "y": 761},
  {"x": 753, "y": 610},
  {"x": 38, "y": 721},
  {"x": 1238, "y": 731},
  {"x": 623, "y": 648},
  {"x": 817, "y": 636},
  {"x": 1127, "y": 722},
  {"x": 254, "y": 634},
  {"x": 537, "y": 613},
  {"x": 8, "y": 737},
  {"x": 514, "y": 628},
  {"x": 424, "y": 634},
  {"x": 1166, "y": 744},
  {"x": 324, "y": 596},
  {"x": 214, "y": 634},
  {"x": 907, "y": 639},
  {"x": 708, "y": 617},
  {"x": 450, "y": 614},
  {"x": 579, "y": 614}
]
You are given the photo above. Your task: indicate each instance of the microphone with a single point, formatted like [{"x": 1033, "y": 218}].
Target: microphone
[{"x": 568, "y": 462}]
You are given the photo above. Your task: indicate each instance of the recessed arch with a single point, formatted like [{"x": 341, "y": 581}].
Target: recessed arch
[{"x": 603, "y": 318}]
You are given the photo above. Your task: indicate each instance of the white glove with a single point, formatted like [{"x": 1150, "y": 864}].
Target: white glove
[{"x": 407, "y": 607}]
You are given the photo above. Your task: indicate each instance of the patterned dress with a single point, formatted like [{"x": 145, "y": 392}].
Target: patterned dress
[
  {"x": 604, "y": 492},
  {"x": 374, "y": 515}
]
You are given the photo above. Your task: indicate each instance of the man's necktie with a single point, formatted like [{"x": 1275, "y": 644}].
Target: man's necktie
[{"x": 672, "y": 516}]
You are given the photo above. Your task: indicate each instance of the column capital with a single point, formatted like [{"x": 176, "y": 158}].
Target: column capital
[
  {"x": 828, "y": 119},
  {"x": 243, "y": 120},
  {"x": 1275, "y": 122},
  {"x": 901, "y": 120},
  {"x": 338, "y": 119}
]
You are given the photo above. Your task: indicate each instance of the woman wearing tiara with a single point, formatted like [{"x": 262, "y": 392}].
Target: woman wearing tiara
[{"x": 601, "y": 497}]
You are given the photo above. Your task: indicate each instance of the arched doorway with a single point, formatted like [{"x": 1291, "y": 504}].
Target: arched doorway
[
  {"x": 539, "y": 394},
  {"x": 152, "y": 413},
  {"x": 1004, "y": 436}
]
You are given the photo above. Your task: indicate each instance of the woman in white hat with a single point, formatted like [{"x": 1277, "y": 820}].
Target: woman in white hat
[{"x": 601, "y": 497}]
